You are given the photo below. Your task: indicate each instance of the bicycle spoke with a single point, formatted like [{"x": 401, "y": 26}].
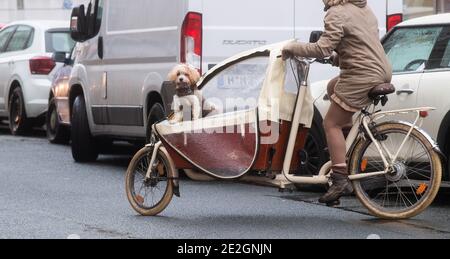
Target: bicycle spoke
[
  {"x": 403, "y": 187},
  {"x": 412, "y": 189},
  {"x": 150, "y": 193},
  {"x": 418, "y": 173}
]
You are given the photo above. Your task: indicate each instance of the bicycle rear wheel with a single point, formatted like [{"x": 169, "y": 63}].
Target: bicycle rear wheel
[{"x": 413, "y": 180}]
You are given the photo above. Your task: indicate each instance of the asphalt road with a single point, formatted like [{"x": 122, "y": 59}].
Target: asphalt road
[{"x": 44, "y": 194}]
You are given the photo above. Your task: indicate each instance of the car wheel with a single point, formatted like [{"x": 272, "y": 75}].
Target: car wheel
[
  {"x": 83, "y": 144},
  {"x": 19, "y": 124},
  {"x": 315, "y": 154},
  {"x": 155, "y": 114},
  {"x": 313, "y": 157},
  {"x": 56, "y": 132}
]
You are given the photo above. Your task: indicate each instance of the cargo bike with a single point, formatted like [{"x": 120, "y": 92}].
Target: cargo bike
[{"x": 259, "y": 112}]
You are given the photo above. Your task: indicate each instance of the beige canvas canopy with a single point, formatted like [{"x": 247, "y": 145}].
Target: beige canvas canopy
[
  {"x": 274, "y": 99},
  {"x": 275, "y": 102}
]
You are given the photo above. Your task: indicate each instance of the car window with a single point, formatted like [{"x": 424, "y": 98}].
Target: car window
[
  {"x": 237, "y": 87},
  {"x": 441, "y": 53},
  {"x": 5, "y": 35},
  {"x": 21, "y": 39},
  {"x": 59, "y": 41},
  {"x": 446, "y": 58},
  {"x": 409, "y": 49},
  {"x": 30, "y": 40}
]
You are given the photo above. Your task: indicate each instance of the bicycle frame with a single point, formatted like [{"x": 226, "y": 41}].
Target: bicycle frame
[{"x": 364, "y": 119}]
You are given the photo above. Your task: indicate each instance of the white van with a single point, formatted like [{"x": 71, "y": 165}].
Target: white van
[{"x": 127, "y": 48}]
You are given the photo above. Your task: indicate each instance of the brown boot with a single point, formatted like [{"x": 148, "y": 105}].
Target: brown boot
[{"x": 341, "y": 187}]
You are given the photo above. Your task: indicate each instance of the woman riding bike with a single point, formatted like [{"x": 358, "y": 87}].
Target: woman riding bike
[{"x": 351, "y": 39}]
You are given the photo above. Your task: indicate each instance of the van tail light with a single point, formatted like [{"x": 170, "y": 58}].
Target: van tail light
[
  {"x": 393, "y": 20},
  {"x": 42, "y": 65},
  {"x": 191, "y": 48}
]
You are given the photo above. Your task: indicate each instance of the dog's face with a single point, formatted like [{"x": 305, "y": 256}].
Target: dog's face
[{"x": 183, "y": 75}]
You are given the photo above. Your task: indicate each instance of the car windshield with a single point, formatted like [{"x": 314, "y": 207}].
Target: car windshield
[{"x": 59, "y": 41}]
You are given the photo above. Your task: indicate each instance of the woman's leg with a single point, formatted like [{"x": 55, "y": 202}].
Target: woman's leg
[{"x": 336, "y": 119}]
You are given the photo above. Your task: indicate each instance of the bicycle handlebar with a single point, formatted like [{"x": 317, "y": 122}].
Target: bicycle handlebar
[{"x": 313, "y": 60}]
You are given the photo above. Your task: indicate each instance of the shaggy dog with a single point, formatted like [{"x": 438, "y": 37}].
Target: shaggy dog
[{"x": 187, "y": 95}]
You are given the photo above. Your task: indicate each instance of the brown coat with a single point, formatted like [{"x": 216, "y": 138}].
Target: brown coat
[{"x": 351, "y": 29}]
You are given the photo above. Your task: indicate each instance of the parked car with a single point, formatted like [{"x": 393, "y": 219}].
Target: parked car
[
  {"x": 26, "y": 70},
  {"x": 419, "y": 50},
  {"x": 126, "y": 51},
  {"x": 58, "y": 115}
]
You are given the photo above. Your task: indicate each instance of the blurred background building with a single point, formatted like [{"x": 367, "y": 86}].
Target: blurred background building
[
  {"x": 11, "y": 10},
  {"x": 417, "y": 8}
]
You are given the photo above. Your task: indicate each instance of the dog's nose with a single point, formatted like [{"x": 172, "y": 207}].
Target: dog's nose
[{"x": 181, "y": 79}]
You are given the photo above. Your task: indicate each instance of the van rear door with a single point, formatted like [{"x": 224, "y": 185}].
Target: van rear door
[
  {"x": 234, "y": 26},
  {"x": 379, "y": 7}
]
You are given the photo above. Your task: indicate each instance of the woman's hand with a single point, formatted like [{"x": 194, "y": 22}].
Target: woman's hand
[
  {"x": 334, "y": 59},
  {"x": 288, "y": 51}
]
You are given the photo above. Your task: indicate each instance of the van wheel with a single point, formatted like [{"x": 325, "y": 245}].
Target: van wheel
[
  {"x": 56, "y": 132},
  {"x": 446, "y": 176},
  {"x": 19, "y": 124},
  {"x": 446, "y": 161},
  {"x": 155, "y": 114},
  {"x": 83, "y": 144}
]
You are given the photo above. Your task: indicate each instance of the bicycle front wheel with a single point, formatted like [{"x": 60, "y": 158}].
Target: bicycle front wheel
[
  {"x": 149, "y": 196},
  {"x": 413, "y": 180}
]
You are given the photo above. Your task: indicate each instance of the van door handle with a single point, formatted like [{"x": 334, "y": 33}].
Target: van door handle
[{"x": 405, "y": 91}]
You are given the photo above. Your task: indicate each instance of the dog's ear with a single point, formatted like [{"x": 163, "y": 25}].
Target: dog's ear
[
  {"x": 194, "y": 75},
  {"x": 172, "y": 76}
]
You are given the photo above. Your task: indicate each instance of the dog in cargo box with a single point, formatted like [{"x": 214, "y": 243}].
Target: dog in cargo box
[{"x": 185, "y": 78}]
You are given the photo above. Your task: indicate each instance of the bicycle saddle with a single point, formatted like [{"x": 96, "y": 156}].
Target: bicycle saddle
[
  {"x": 383, "y": 89},
  {"x": 380, "y": 92}
]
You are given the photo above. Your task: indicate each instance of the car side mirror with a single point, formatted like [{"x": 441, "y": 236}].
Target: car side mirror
[
  {"x": 60, "y": 57},
  {"x": 315, "y": 36},
  {"x": 78, "y": 28}
]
